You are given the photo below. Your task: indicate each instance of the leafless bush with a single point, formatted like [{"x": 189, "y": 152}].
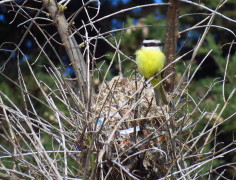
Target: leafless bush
[{"x": 117, "y": 133}]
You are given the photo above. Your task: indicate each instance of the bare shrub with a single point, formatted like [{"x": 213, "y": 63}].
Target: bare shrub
[{"x": 64, "y": 128}]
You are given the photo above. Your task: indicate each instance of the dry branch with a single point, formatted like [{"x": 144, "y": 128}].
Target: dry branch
[
  {"x": 172, "y": 35},
  {"x": 70, "y": 44}
]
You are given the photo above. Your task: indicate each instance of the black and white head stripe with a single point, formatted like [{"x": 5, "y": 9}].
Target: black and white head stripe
[{"x": 152, "y": 43}]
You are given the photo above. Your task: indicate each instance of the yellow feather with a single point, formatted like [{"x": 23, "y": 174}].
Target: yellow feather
[{"x": 150, "y": 61}]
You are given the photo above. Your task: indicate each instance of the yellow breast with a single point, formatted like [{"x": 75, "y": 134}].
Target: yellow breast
[{"x": 150, "y": 61}]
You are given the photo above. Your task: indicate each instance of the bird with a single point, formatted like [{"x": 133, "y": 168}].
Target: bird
[{"x": 150, "y": 61}]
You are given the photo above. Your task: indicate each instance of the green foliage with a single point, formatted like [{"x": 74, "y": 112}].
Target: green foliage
[
  {"x": 216, "y": 95},
  {"x": 158, "y": 28},
  {"x": 9, "y": 91}
]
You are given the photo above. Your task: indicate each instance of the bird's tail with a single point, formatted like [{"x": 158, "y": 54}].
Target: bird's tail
[{"x": 160, "y": 95}]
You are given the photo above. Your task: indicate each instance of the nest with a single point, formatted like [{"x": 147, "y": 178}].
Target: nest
[{"x": 130, "y": 117}]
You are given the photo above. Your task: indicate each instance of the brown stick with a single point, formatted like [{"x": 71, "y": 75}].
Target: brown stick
[
  {"x": 70, "y": 44},
  {"x": 172, "y": 35}
]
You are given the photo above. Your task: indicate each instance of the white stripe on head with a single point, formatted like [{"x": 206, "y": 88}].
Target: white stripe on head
[
  {"x": 145, "y": 41},
  {"x": 152, "y": 44}
]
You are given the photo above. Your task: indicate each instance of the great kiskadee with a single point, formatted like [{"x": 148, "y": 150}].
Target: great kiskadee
[{"x": 151, "y": 60}]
